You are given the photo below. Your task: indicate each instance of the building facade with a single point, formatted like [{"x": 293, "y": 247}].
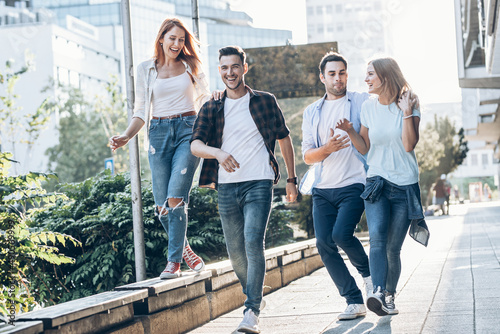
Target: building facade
[
  {"x": 478, "y": 51},
  {"x": 58, "y": 55}
]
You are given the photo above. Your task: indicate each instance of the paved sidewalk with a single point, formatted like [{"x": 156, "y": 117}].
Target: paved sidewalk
[{"x": 448, "y": 287}]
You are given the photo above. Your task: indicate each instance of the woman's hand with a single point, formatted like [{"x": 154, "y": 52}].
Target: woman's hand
[
  {"x": 406, "y": 102},
  {"x": 116, "y": 142},
  {"x": 217, "y": 94},
  {"x": 344, "y": 125}
]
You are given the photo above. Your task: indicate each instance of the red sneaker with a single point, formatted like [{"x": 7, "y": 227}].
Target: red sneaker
[
  {"x": 192, "y": 260},
  {"x": 172, "y": 270}
]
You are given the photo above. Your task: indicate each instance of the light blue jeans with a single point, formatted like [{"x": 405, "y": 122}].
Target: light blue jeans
[
  {"x": 172, "y": 169},
  {"x": 244, "y": 209},
  {"x": 388, "y": 225}
]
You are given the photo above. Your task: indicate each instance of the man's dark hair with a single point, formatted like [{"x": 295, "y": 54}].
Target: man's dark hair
[
  {"x": 331, "y": 56},
  {"x": 233, "y": 50}
]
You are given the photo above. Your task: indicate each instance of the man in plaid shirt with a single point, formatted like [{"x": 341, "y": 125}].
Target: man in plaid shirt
[{"x": 236, "y": 136}]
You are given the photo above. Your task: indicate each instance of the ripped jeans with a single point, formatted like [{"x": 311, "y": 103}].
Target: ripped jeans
[{"x": 172, "y": 169}]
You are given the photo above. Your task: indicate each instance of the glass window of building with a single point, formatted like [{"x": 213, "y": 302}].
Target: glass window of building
[
  {"x": 329, "y": 9},
  {"x": 485, "y": 159},
  {"x": 340, "y": 27},
  {"x": 319, "y": 10},
  {"x": 310, "y": 10},
  {"x": 319, "y": 29},
  {"x": 473, "y": 159},
  {"x": 338, "y": 8}
]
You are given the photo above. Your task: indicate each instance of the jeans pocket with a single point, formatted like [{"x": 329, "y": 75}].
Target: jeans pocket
[{"x": 189, "y": 121}]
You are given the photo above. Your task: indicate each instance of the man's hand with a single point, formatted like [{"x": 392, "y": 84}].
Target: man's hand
[
  {"x": 291, "y": 192},
  {"x": 227, "y": 161},
  {"x": 336, "y": 143}
]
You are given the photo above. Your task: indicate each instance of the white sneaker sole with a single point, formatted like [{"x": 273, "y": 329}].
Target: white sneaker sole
[
  {"x": 351, "y": 316},
  {"x": 167, "y": 276}
]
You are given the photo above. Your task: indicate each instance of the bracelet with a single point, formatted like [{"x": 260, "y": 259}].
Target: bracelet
[
  {"x": 292, "y": 180},
  {"x": 405, "y": 117}
]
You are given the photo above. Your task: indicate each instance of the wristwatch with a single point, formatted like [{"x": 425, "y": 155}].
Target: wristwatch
[{"x": 292, "y": 180}]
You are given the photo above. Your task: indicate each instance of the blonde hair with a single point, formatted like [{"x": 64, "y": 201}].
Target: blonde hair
[
  {"x": 189, "y": 52},
  {"x": 393, "y": 82}
]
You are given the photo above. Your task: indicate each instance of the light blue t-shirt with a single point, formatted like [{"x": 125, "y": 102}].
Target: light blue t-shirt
[{"x": 387, "y": 156}]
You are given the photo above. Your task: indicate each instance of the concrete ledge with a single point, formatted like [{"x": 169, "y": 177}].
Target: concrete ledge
[
  {"x": 179, "y": 319},
  {"x": 225, "y": 300},
  {"x": 174, "y": 305},
  {"x": 25, "y": 327}
]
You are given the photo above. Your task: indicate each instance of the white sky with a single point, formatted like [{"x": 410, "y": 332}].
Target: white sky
[{"x": 423, "y": 39}]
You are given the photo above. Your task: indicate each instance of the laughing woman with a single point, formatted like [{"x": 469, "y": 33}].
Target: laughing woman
[
  {"x": 388, "y": 136},
  {"x": 170, "y": 89}
]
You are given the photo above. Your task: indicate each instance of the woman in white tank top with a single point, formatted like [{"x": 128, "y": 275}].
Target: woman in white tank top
[{"x": 170, "y": 88}]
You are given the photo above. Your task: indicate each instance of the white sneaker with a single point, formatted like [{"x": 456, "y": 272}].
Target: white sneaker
[
  {"x": 368, "y": 285},
  {"x": 250, "y": 323},
  {"x": 262, "y": 304},
  {"x": 353, "y": 311}
]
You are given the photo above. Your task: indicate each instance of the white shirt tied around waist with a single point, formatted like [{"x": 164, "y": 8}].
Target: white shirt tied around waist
[
  {"x": 243, "y": 141},
  {"x": 172, "y": 96}
]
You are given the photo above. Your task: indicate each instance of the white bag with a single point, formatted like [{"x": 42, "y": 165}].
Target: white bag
[{"x": 310, "y": 179}]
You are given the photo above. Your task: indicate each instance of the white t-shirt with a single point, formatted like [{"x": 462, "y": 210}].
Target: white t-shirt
[
  {"x": 243, "y": 141},
  {"x": 341, "y": 168},
  {"x": 172, "y": 96},
  {"x": 387, "y": 156}
]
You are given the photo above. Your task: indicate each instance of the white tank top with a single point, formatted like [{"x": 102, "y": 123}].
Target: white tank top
[{"x": 172, "y": 96}]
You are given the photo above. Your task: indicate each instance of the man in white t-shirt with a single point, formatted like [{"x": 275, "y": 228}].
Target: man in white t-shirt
[
  {"x": 340, "y": 178},
  {"x": 236, "y": 137}
]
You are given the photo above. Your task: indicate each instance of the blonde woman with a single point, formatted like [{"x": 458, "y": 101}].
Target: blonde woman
[
  {"x": 388, "y": 136},
  {"x": 170, "y": 89}
]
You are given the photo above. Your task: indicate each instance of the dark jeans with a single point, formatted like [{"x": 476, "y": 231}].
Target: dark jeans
[
  {"x": 336, "y": 212},
  {"x": 244, "y": 209}
]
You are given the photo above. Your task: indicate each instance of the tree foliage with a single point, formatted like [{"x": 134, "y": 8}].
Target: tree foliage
[
  {"x": 440, "y": 150},
  {"x": 98, "y": 212},
  {"x": 20, "y": 197}
]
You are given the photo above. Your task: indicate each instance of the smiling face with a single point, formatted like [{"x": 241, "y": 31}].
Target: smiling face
[
  {"x": 373, "y": 81},
  {"x": 173, "y": 42},
  {"x": 334, "y": 79},
  {"x": 232, "y": 73}
]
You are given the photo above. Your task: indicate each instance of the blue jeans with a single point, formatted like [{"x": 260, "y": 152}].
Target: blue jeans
[
  {"x": 388, "y": 224},
  {"x": 336, "y": 212},
  {"x": 244, "y": 209},
  {"x": 172, "y": 169}
]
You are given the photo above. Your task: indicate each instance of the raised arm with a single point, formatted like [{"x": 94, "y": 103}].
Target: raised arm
[
  {"x": 410, "y": 135},
  {"x": 357, "y": 139}
]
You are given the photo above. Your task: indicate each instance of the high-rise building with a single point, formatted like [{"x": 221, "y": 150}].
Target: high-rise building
[
  {"x": 219, "y": 26},
  {"x": 357, "y": 26},
  {"x": 73, "y": 57}
]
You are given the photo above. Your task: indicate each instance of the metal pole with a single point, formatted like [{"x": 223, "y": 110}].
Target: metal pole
[
  {"x": 135, "y": 179},
  {"x": 196, "y": 18}
]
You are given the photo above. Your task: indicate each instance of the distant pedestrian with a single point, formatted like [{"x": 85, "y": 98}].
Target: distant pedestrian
[
  {"x": 236, "y": 137},
  {"x": 337, "y": 205},
  {"x": 388, "y": 136},
  {"x": 440, "y": 193}
]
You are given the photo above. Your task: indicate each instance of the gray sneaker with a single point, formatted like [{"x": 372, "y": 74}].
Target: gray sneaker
[
  {"x": 389, "y": 302},
  {"x": 376, "y": 302}
]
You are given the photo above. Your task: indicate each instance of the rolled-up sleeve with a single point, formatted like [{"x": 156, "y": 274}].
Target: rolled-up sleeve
[
  {"x": 307, "y": 135},
  {"x": 140, "y": 87},
  {"x": 281, "y": 129},
  {"x": 202, "y": 125}
]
